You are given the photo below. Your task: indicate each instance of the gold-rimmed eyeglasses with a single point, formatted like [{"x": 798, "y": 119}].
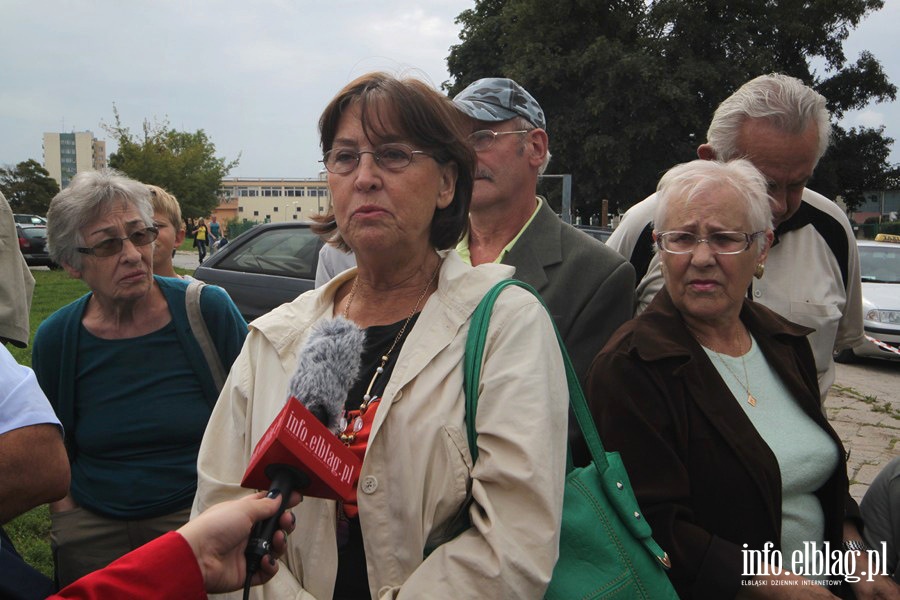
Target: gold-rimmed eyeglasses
[{"x": 483, "y": 139}]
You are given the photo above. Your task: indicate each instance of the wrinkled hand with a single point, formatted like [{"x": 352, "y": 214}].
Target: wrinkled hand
[{"x": 219, "y": 537}]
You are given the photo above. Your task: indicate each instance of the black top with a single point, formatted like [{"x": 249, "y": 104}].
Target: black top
[{"x": 352, "y": 577}]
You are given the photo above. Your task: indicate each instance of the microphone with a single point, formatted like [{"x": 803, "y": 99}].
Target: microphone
[{"x": 300, "y": 450}]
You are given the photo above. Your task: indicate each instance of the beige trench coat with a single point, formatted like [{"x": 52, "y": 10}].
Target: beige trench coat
[{"x": 418, "y": 471}]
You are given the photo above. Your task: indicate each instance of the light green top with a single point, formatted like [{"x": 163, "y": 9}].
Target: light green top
[
  {"x": 807, "y": 456},
  {"x": 462, "y": 248}
]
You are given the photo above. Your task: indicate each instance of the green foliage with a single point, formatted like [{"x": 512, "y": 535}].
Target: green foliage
[
  {"x": 52, "y": 291},
  {"x": 28, "y": 187},
  {"x": 30, "y": 534},
  {"x": 629, "y": 87},
  {"x": 856, "y": 162},
  {"x": 184, "y": 164},
  {"x": 236, "y": 227}
]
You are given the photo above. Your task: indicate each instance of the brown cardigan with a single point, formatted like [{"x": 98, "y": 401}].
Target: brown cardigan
[{"x": 706, "y": 480}]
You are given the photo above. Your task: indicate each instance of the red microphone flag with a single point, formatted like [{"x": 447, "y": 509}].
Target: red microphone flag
[{"x": 297, "y": 438}]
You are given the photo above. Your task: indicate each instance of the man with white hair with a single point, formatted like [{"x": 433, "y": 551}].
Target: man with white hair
[{"x": 812, "y": 273}]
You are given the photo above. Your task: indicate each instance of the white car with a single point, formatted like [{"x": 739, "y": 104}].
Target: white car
[{"x": 879, "y": 266}]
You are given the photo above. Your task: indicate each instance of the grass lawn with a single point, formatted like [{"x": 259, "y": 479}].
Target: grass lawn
[{"x": 30, "y": 533}]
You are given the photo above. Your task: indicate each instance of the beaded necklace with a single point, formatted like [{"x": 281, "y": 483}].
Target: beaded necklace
[{"x": 350, "y": 429}]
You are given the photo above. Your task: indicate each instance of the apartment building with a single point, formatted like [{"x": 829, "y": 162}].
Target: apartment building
[{"x": 66, "y": 154}]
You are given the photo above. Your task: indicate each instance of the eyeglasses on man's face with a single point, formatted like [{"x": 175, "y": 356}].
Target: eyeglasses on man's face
[
  {"x": 721, "y": 242},
  {"x": 113, "y": 245},
  {"x": 483, "y": 139},
  {"x": 393, "y": 157}
]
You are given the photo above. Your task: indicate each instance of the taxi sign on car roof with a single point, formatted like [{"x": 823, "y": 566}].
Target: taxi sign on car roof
[{"x": 887, "y": 237}]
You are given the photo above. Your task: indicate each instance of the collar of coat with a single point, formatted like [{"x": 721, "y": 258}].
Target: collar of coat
[{"x": 766, "y": 326}]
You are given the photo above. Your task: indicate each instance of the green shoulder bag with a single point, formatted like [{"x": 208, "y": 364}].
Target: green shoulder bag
[{"x": 606, "y": 548}]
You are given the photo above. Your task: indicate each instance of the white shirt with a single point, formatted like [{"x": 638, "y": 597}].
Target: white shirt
[{"x": 22, "y": 402}]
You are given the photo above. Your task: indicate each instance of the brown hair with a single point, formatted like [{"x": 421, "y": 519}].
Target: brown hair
[{"x": 426, "y": 118}]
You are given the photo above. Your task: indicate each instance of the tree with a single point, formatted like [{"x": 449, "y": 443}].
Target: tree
[
  {"x": 28, "y": 187},
  {"x": 856, "y": 162},
  {"x": 629, "y": 86},
  {"x": 183, "y": 163}
]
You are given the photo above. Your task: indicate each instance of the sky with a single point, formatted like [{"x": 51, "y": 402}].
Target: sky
[{"x": 254, "y": 75}]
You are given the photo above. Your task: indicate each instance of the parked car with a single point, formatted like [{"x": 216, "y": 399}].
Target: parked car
[
  {"x": 33, "y": 244},
  {"x": 264, "y": 267},
  {"x": 879, "y": 266},
  {"x": 29, "y": 219},
  {"x": 601, "y": 233}
]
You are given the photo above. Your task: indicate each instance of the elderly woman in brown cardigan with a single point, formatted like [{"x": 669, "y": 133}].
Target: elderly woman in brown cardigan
[{"x": 713, "y": 403}]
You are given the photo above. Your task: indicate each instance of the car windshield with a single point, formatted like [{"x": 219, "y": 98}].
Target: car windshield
[
  {"x": 285, "y": 252},
  {"x": 880, "y": 264}
]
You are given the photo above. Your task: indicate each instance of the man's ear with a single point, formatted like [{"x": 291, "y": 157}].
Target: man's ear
[
  {"x": 705, "y": 152},
  {"x": 538, "y": 144}
]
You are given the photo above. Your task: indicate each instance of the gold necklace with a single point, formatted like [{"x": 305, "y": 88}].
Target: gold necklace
[
  {"x": 751, "y": 400},
  {"x": 348, "y": 438}
]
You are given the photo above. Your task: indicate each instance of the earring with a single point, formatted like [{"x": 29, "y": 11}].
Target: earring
[{"x": 760, "y": 269}]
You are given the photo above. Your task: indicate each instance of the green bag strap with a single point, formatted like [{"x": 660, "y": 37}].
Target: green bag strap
[{"x": 475, "y": 342}]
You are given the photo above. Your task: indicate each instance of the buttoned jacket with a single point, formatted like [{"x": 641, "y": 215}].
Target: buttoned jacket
[
  {"x": 588, "y": 287},
  {"x": 417, "y": 473},
  {"x": 704, "y": 477}
]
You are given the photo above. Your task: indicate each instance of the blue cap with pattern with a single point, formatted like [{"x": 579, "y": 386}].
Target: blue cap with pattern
[{"x": 499, "y": 99}]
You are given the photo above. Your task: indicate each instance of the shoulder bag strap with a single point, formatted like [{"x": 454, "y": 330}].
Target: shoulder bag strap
[
  {"x": 201, "y": 333},
  {"x": 475, "y": 343}
]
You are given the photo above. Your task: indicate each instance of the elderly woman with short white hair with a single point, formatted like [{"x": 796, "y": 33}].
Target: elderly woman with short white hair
[
  {"x": 126, "y": 375},
  {"x": 713, "y": 402}
]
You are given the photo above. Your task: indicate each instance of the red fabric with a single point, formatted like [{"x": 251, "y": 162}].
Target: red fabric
[
  {"x": 163, "y": 568},
  {"x": 358, "y": 446}
]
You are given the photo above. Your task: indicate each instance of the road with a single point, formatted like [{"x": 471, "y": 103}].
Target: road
[{"x": 186, "y": 260}]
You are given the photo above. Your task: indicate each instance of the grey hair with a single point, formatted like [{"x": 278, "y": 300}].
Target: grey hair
[
  {"x": 523, "y": 123},
  {"x": 689, "y": 180},
  {"x": 86, "y": 198},
  {"x": 783, "y": 101}
]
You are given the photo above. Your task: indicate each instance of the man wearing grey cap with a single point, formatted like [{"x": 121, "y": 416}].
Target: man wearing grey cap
[{"x": 587, "y": 286}]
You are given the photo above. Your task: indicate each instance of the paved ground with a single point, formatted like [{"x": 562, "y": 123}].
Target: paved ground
[
  {"x": 864, "y": 409},
  {"x": 186, "y": 260}
]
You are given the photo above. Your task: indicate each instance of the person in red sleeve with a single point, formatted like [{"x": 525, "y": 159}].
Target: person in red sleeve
[{"x": 204, "y": 555}]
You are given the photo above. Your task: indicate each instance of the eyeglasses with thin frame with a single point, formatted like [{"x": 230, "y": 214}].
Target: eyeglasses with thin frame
[
  {"x": 393, "y": 157},
  {"x": 720, "y": 242},
  {"x": 483, "y": 139},
  {"x": 113, "y": 245}
]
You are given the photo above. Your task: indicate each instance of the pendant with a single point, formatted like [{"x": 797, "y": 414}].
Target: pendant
[
  {"x": 343, "y": 425},
  {"x": 358, "y": 424},
  {"x": 750, "y": 399}
]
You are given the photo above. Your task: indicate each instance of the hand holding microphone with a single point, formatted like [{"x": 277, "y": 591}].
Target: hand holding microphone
[
  {"x": 300, "y": 451},
  {"x": 217, "y": 538}
]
